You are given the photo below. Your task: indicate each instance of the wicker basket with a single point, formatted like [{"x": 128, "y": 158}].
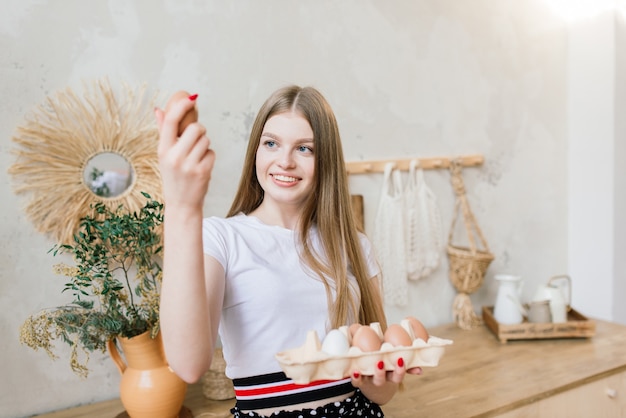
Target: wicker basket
[
  {"x": 468, "y": 268},
  {"x": 215, "y": 385},
  {"x": 468, "y": 265}
]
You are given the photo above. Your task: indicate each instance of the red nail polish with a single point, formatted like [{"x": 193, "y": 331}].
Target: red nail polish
[
  {"x": 400, "y": 362},
  {"x": 381, "y": 365},
  {"x": 193, "y": 97},
  {"x": 356, "y": 375}
]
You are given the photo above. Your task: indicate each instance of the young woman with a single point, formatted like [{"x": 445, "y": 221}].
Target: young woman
[{"x": 287, "y": 259}]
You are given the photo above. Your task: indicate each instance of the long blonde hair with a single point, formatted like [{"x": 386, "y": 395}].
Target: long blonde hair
[{"x": 329, "y": 207}]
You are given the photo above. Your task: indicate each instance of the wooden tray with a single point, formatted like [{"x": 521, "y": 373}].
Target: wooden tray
[{"x": 577, "y": 326}]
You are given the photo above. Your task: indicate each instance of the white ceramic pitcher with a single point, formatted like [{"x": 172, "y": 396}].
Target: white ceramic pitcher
[{"x": 508, "y": 308}]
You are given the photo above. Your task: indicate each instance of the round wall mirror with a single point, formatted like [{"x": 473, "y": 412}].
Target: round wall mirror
[
  {"x": 73, "y": 152},
  {"x": 108, "y": 175}
]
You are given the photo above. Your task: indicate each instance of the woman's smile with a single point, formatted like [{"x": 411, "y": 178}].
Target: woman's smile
[{"x": 279, "y": 178}]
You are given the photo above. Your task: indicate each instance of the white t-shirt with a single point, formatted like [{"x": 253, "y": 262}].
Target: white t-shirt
[{"x": 271, "y": 300}]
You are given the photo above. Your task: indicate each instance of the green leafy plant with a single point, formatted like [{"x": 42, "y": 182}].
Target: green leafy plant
[{"x": 115, "y": 284}]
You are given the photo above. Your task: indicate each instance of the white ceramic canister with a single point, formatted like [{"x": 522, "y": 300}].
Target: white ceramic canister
[
  {"x": 558, "y": 294},
  {"x": 539, "y": 311}
]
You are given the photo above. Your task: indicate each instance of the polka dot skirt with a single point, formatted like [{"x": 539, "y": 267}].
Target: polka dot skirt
[{"x": 355, "y": 406}]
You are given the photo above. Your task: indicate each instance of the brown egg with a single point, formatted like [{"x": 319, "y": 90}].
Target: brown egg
[
  {"x": 397, "y": 336},
  {"x": 418, "y": 328},
  {"x": 190, "y": 117},
  {"x": 366, "y": 339},
  {"x": 352, "y": 329}
]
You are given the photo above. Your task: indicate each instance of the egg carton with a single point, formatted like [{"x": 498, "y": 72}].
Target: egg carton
[{"x": 309, "y": 363}]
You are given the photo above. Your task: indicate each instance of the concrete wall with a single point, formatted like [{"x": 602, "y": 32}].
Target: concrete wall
[{"x": 406, "y": 78}]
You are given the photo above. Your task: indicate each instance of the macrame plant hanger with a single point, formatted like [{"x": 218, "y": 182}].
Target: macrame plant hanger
[{"x": 468, "y": 265}]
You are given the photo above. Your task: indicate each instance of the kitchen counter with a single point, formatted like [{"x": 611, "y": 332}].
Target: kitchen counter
[{"x": 479, "y": 376}]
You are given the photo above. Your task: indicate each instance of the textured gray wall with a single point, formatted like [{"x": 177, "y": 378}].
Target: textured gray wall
[{"x": 406, "y": 78}]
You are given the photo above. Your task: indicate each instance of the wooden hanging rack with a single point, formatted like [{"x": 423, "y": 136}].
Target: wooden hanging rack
[{"x": 378, "y": 166}]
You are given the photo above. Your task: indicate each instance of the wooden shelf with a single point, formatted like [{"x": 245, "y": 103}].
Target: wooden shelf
[{"x": 378, "y": 166}]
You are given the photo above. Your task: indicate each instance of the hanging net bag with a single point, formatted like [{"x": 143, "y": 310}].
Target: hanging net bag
[
  {"x": 468, "y": 265},
  {"x": 423, "y": 231},
  {"x": 389, "y": 238}
]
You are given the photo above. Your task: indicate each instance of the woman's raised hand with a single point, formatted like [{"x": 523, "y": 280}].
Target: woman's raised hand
[{"x": 185, "y": 159}]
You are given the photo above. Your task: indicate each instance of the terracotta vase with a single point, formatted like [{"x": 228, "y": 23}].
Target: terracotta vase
[{"x": 149, "y": 388}]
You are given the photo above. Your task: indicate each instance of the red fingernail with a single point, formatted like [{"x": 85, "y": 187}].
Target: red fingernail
[
  {"x": 193, "y": 97},
  {"x": 356, "y": 375},
  {"x": 381, "y": 365},
  {"x": 400, "y": 362}
]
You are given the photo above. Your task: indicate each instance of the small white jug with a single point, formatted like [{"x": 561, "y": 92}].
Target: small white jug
[
  {"x": 553, "y": 292},
  {"x": 508, "y": 309}
]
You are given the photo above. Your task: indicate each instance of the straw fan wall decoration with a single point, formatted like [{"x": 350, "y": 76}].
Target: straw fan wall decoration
[{"x": 61, "y": 138}]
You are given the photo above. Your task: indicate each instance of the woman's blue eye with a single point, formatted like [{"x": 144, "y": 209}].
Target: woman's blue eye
[
  {"x": 270, "y": 144},
  {"x": 303, "y": 148}
]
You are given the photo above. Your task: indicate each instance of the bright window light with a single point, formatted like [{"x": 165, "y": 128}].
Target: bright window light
[{"x": 574, "y": 10}]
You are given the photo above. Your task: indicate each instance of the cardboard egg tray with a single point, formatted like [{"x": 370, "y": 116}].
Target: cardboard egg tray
[{"x": 308, "y": 363}]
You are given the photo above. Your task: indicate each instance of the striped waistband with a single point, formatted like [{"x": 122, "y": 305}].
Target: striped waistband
[{"x": 276, "y": 390}]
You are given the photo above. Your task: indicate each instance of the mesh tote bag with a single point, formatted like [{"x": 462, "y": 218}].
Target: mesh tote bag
[
  {"x": 424, "y": 231},
  {"x": 389, "y": 238}
]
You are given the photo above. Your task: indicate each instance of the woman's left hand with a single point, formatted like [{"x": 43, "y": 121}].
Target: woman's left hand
[{"x": 383, "y": 384}]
